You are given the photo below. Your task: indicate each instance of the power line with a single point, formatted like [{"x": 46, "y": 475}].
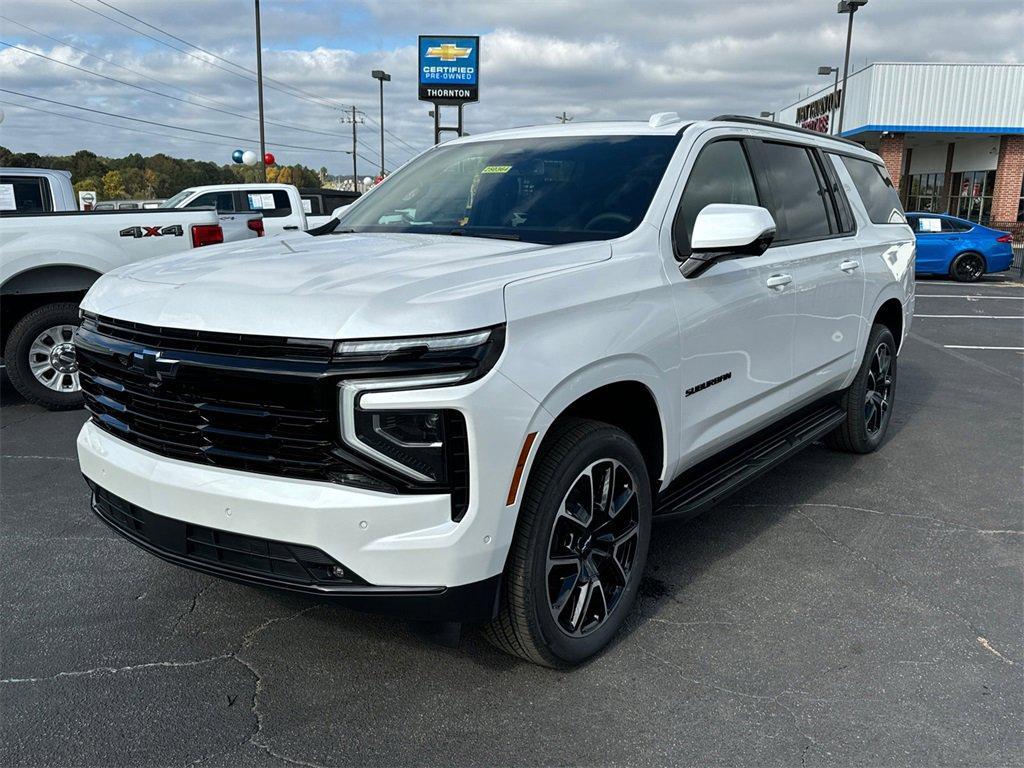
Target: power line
[
  {"x": 164, "y": 95},
  {"x": 113, "y": 63},
  {"x": 112, "y": 125},
  {"x": 167, "y": 125},
  {"x": 192, "y": 55},
  {"x": 266, "y": 79},
  {"x": 129, "y": 128}
]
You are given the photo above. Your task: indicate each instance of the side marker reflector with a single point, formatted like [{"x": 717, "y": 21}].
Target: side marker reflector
[{"x": 517, "y": 476}]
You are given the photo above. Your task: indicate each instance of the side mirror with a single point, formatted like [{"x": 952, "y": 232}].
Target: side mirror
[
  {"x": 725, "y": 231},
  {"x": 336, "y": 213}
]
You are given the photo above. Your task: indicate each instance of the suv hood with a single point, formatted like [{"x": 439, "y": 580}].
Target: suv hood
[{"x": 334, "y": 286}]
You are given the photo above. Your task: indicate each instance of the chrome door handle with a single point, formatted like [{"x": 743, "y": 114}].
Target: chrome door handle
[
  {"x": 849, "y": 266},
  {"x": 291, "y": 227},
  {"x": 779, "y": 282}
]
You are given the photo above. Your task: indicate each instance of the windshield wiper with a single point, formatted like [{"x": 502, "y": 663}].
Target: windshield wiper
[{"x": 489, "y": 235}]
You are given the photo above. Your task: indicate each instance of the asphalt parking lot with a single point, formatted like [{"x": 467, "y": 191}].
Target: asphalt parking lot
[{"x": 844, "y": 610}]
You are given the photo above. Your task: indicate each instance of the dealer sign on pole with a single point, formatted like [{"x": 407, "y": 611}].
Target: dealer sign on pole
[{"x": 449, "y": 69}]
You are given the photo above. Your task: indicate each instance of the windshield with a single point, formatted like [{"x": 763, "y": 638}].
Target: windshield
[
  {"x": 543, "y": 190},
  {"x": 172, "y": 202}
]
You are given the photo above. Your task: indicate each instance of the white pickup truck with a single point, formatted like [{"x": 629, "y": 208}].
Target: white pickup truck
[
  {"x": 50, "y": 256},
  {"x": 283, "y": 207}
]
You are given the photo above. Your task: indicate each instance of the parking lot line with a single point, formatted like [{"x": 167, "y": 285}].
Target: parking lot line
[
  {"x": 977, "y": 317},
  {"x": 964, "y": 346},
  {"x": 966, "y": 296}
]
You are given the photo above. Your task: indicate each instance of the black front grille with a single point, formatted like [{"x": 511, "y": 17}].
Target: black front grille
[
  {"x": 237, "y": 416},
  {"x": 231, "y": 553},
  {"x": 275, "y": 416},
  {"x": 184, "y": 340}
]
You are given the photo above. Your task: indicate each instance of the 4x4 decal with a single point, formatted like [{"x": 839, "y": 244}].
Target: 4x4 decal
[{"x": 173, "y": 229}]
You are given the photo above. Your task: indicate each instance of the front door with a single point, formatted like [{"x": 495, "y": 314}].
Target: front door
[{"x": 736, "y": 319}]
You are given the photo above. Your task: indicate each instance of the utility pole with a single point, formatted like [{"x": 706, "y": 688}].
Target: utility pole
[
  {"x": 259, "y": 87},
  {"x": 564, "y": 118},
  {"x": 354, "y": 119}
]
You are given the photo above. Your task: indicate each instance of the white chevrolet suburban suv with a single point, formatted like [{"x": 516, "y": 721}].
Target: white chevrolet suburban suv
[{"x": 470, "y": 401}]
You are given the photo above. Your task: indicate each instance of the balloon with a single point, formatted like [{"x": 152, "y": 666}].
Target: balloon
[
  {"x": 237, "y": 155},
  {"x": 249, "y": 157},
  {"x": 268, "y": 159}
]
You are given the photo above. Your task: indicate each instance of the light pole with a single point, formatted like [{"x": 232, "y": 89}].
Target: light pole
[
  {"x": 850, "y": 7},
  {"x": 768, "y": 115},
  {"x": 384, "y": 77},
  {"x": 259, "y": 88},
  {"x": 835, "y": 92}
]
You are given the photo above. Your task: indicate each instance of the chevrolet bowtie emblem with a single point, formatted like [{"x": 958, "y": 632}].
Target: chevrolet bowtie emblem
[
  {"x": 154, "y": 365},
  {"x": 448, "y": 52}
]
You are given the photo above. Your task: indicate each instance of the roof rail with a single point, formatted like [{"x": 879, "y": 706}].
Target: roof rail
[{"x": 783, "y": 126}]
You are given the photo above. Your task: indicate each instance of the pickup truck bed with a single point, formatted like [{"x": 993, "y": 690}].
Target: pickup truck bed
[{"x": 49, "y": 260}]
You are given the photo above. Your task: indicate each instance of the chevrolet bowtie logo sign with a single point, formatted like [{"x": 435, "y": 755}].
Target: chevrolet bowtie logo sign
[{"x": 449, "y": 52}]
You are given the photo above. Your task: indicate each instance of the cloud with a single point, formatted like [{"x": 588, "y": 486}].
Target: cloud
[{"x": 596, "y": 59}]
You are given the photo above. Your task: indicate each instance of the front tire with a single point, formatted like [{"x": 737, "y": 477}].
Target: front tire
[
  {"x": 580, "y": 547},
  {"x": 869, "y": 400},
  {"x": 40, "y": 357},
  {"x": 968, "y": 267}
]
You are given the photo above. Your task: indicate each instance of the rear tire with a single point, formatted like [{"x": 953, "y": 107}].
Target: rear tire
[
  {"x": 574, "y": 567},
  {"x": 968, "y": 267},
  {"x": 39, "y": 357},
  {"x": 869, "y": 400}
]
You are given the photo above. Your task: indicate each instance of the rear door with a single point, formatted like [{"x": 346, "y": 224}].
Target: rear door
[
  {"x": 817, "y": 237},
  {"x": 735, "y": 319},
  {"x": 933, "y": 243},
  {"x": 235, "y": 225},
  {"x": 276, "y": 207}
]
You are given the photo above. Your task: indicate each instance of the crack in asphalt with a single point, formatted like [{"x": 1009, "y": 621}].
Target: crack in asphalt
[
  {"x": 951, "y": 524},
  {"x": 248, "y": 640},
  {"x": 117, "y": 670},
  {"x": 195, "y": 600},
  {"x": 908, "y": 588}
]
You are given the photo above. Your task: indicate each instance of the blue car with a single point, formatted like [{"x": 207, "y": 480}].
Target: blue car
[{"x": 959, "y": 248}]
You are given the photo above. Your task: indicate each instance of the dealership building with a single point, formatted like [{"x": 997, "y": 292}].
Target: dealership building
[{"x": 951, "y": 135}]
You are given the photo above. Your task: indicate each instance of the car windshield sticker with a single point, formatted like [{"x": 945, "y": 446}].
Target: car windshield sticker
[
  {"x": 307, "y": 206},
  {"x": 7, "y": 202},
  {"x": 497, "y": 169},
  {"x": 929, "y": 225},
  {"x": 259, "y": 201}
]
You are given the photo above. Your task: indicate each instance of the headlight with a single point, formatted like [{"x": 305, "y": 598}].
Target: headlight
[{"x": 413, "y": 345}]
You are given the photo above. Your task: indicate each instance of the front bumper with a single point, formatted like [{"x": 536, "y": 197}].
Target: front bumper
[{"x": 406, "y": 549}]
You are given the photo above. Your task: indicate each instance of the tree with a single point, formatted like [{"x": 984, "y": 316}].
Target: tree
[
  {"x": 113, "y": 185},
  {"x": 284, "y": 176}
]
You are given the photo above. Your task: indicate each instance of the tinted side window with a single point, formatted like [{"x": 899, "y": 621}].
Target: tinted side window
[
  {"x": 949, "y": 225},
  {"x": 31, "y": 195},
  {"x": 876, "y": 190},
  {"x": 799, "y": 203},
  {"x": 270, "y": 204},
  {"x": 720, "y": 175},
  {"x": 222, "y": 201}
]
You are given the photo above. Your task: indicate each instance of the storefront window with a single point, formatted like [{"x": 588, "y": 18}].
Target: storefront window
[
  {"x": 924, "y": 193},
  {"x": 970, "y": 195}
]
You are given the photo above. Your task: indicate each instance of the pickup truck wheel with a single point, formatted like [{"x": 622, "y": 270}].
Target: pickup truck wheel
[
  {"x": 40, "y": 357},
  {"x": 869, "y": 400},
  {"x": 579, "y": 549}
]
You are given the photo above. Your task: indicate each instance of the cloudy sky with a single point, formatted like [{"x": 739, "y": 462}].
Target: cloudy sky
[{"x": 594, "y": 59}]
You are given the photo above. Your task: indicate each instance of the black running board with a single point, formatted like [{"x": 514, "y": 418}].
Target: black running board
[{"x": 707, "y": 483}]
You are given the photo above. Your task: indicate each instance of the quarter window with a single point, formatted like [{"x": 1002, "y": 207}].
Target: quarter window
[
  {"x": 720, "y": 175},
  {"x": 271, "y": 204},
  {"x": 876, "y": 191},
  {"x": 31, "y": 194},
  {"x": 800, "y": 205},
  {"x": 222, "y": 201}
]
